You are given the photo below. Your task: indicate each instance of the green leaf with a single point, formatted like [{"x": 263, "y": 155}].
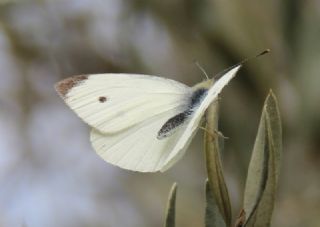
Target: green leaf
[
  {"x": 213, "y": 216},
  {"x": 171, "y": 207},
  {"x": 263, "y": 172},
  {"x": 214, "y": 170}
]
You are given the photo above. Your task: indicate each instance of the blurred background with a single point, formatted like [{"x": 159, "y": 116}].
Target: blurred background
[{"x": 49, "y": 174}]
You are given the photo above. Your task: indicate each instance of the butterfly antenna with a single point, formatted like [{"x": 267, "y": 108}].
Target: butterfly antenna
[
  {"x": 202, "y": 69},
  {"x": 266, "y": 51}
]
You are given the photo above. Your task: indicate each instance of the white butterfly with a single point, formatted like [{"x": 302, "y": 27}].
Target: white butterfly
[{"x": 140, "y": 122}]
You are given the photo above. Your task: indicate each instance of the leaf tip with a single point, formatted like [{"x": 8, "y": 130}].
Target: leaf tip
[
  {"x": 174, "y": 188},
  {"x": 171, "y": 206},
  {"x": 271, "y": 99},
  {"x": 271, "y": 94}
]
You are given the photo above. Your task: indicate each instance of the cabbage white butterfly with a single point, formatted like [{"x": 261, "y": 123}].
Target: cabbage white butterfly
[{"x": 140, "y": 122}]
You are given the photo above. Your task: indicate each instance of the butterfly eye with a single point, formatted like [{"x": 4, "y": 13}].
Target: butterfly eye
[{"x": 102, "y": 99}]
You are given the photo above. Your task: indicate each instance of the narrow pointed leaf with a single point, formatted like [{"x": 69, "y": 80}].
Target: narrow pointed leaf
[
  {"x": 213, "y": 216},
  {"x": 263, "y": 169},
  {"x": 171, "y": 207},
  {"x": 213, "y": 162},
  {"x": 262, "y": 184}
]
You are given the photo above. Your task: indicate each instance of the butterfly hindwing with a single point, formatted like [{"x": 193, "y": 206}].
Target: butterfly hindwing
[{"x": 138, "y": 147}]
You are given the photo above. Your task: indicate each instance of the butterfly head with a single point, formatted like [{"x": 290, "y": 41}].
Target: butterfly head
[{"x": 204, "y": 84}]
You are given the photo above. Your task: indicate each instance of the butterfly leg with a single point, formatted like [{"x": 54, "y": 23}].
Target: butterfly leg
[{"x": 214, "y": 133}]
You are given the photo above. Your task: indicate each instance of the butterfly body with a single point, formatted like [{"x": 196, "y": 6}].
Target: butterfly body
[{"x": 140, "y": 122}]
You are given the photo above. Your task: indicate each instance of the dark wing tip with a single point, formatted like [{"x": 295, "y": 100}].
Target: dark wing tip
[{"x": 64, "y": 86}]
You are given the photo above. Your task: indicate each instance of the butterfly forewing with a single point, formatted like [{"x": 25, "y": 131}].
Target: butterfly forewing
[{"x": 114, "y": 102}]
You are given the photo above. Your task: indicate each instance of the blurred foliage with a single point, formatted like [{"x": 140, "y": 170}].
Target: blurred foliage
[{"x": 42, "y": 41}]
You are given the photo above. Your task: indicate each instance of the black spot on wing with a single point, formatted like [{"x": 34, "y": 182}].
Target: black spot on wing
[{"x": 102, "y": 99}]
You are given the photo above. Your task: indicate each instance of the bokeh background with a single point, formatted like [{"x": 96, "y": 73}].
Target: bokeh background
[{"x": 49, "y": 174}]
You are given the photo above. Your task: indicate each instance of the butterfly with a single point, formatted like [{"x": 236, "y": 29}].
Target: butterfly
[{"x": 140, "y": 122}]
